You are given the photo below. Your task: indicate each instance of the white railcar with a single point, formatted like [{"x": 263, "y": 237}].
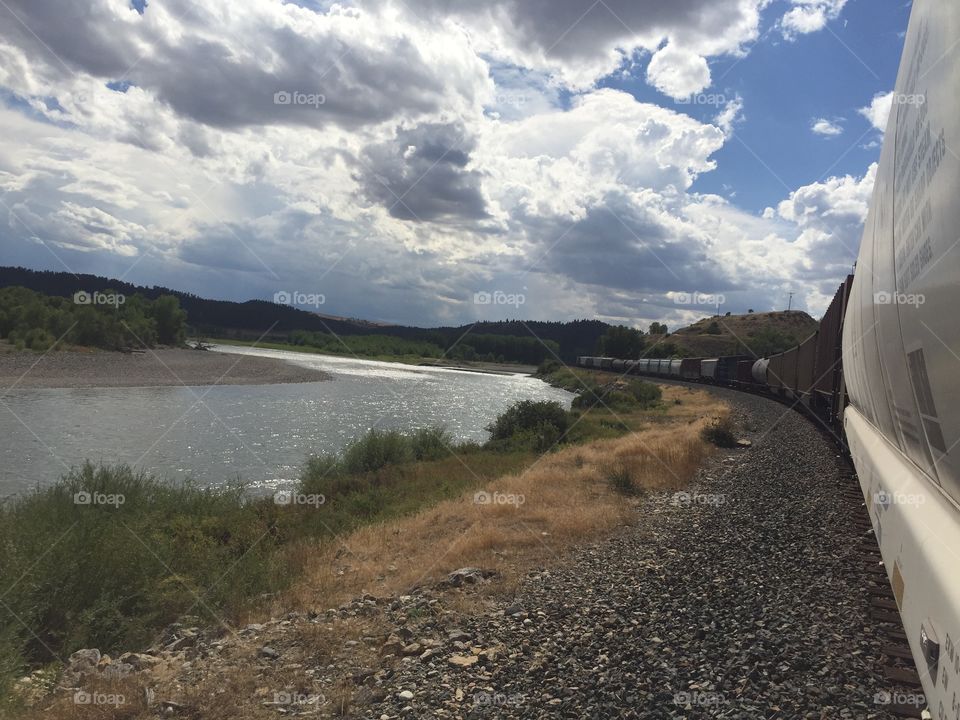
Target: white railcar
[{"x": 901, "y": 351}]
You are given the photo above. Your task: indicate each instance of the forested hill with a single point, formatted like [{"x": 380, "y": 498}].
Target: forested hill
[{"x": 249, "y": 320}]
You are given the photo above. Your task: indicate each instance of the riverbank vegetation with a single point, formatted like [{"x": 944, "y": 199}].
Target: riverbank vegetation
[
  {"x": 109, "y": 557},
  {"x": 108, "y": 320}
]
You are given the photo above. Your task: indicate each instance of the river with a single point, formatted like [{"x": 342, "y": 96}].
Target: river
[{"x": 260, "y": 434}]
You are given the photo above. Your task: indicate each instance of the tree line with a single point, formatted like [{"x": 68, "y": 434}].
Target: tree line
[{"x": 103, "y": 319}]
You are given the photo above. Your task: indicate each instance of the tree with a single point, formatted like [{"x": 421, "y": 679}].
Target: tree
[
  {"x": 170, "y": 319},
  {"x": 621, "y": 342},
  {"x": 658, "y": 328}
]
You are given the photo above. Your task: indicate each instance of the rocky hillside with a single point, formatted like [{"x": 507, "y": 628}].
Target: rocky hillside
[{"x": 761, "y": 333}]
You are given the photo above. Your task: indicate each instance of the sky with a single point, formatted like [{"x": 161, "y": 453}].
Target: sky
[{"x": 436, "y": 162}]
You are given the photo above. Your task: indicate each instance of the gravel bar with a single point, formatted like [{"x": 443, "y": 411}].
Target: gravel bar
[
  {"x": 153, "y": 368},
  {"x": 742, "y": 598}
]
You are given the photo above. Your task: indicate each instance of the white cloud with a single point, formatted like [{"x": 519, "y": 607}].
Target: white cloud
[
  {"x": 730, "y": 115},
  {"x": 677, "y": 72},
  {"x": 580, "y": 43},
  {"x": 431, "y": 171},
  {"x": 829, "y": 128},
  {"x": 878, "y": 111},
  {"x": 808, "y": 16}
]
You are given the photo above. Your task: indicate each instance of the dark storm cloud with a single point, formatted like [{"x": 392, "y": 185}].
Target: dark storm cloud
[
  {"x": 619, "y": 246},
  {"x": 422, "y": 174},
  {"x": 577, "y": 29},
  {"x": 267, "y": 73}
]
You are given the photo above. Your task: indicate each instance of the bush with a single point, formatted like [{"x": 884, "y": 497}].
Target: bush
[
  {"x": 431, "y": 443},
  {"x": 621, "y": 480},
  {"x": 536, "y": 424},
  {"x": 333, "y": 476},
  {"x": 111, "y": 574},
  {"x": 375, "y": 450},
  {"x": 720, "y": 433},
  {"x": 632, "y": 395},
  {"x": 549, "y": 366}
]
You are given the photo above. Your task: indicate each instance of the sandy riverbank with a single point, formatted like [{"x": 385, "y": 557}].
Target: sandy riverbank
[{"x": 151, "y": 369}]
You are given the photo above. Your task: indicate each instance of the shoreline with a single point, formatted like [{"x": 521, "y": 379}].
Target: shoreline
[
  {"x": 477, "y": 366},
  {"x": 165, "y": 367}
]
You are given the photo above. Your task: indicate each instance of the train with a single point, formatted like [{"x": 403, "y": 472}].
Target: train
[
  {"x": 882, "y": 372},
  {"x": 808, "y": 376}
]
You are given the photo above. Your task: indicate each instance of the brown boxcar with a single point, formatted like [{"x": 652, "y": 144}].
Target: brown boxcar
[
  {"x": 806, "y": 356},
  {"x": 745, "y": 372},
  {"x": 789, "y": 376},
  {"x": 775, "y": 372}
]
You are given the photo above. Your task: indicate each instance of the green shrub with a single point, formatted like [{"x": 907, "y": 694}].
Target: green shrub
[
  {"x": 110, "y": 574},
  {"x": 375, "y": 450},
  {"x": 720, "y": 433},
  {"x": 332, "y": 475},
  {"x": 537, "y": 424},
  {"x": 431, "y": 443},
  {"x": 632, "y": 395},
  {"x": 549, "y": 366},
  {"x": 621, "y": 480}
]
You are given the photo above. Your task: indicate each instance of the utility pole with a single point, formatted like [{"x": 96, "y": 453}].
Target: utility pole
[{"x": 790, "y": 303}]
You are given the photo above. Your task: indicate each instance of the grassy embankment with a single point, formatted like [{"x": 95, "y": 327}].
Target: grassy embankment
[{"x": 113, "y": 575}]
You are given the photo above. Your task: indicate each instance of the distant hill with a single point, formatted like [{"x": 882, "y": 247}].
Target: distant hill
[
  {"x": 251, "y": 319},
  {"x": 757, "y": 334}
]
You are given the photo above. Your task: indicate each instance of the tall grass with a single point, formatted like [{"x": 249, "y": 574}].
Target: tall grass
[
  {"x": 107, "y": 557},
  {"x": 109, "y": 574}
]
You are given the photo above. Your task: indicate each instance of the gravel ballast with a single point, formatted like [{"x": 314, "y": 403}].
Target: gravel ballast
[{"x": 742, "y": 597}]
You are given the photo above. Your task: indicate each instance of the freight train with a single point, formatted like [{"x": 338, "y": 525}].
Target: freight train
[
  {"x": 808, "y": 376},
  {"x": 883, "y": 370}
]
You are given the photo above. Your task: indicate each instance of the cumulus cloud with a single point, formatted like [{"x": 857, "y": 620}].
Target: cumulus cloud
[
  {"x": 830, "y": 217},
  {"x": 878, "y": 111},
  {"x": 244, "y": 64},
  {"x": 827, "y": 128},
  {"x": 808, "y": 16},
  {"x": 424, "y": 174},
  {"x": 581, "y": 43},
  {"x": 730, "y": 115},
  {"x": 449, "y": 147},
  {"x": 677, "y": 72}
]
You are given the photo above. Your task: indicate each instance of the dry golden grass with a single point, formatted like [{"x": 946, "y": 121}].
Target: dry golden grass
[{"x": 567, "y": 497}]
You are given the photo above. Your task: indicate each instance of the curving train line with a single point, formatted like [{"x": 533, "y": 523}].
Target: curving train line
[{"x": 883, "y": 370}]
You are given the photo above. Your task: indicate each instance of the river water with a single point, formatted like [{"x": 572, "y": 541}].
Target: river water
[{"x": 258, "y": 433}]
